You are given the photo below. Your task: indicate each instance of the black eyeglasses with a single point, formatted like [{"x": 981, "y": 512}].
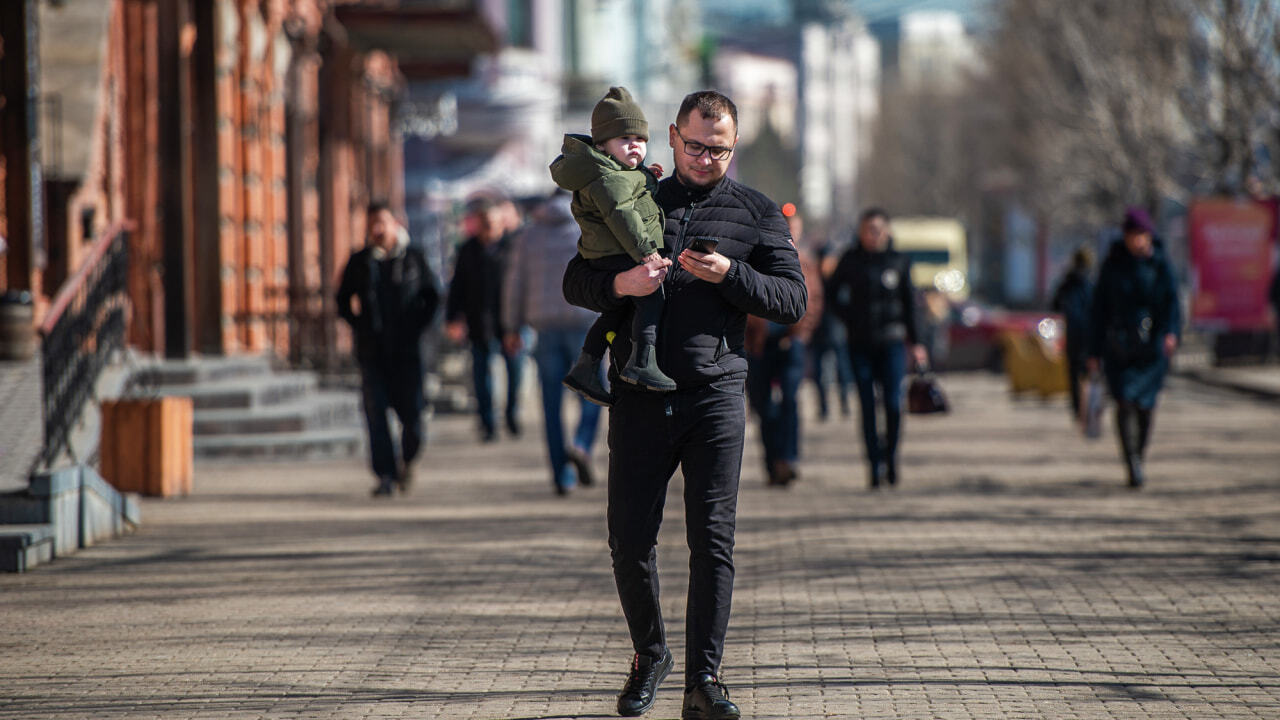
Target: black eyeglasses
[{"x": 695, "y": 149}]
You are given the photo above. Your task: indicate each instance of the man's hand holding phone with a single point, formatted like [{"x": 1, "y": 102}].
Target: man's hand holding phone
[{"x": 702, "y": 260}]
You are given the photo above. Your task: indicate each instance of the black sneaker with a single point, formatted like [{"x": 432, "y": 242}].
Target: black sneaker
[
  {"x": 874, "y": 474},
  {"x": 641, "y": 690},
  {"x": 707, "y": 698}
]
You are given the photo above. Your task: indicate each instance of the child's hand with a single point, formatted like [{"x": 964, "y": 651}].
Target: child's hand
[
  {"x": 656, "y": 169},
  {"x": 650, "y": 258}
]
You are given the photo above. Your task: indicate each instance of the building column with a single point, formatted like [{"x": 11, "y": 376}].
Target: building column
[
  {"x": 19, "y": 136},
  {"x": 174, "y": 171}
]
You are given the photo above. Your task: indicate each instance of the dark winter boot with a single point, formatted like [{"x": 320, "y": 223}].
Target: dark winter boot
[
  {"x": 1144, "y": 430},
  {"x": 1127, "y": 426},
  {"x": 584, "y": 379},
  {"x": 875, "y": 472},
  {"x": 642, "y": 369}
]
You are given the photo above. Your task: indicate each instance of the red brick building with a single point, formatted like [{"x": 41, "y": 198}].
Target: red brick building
[{"x": 241, "y": 140}]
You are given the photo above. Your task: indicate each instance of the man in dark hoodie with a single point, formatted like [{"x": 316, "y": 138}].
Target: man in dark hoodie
[
  {"x": 1136, "y": 326},
  {"x": 699, "y": 427}
]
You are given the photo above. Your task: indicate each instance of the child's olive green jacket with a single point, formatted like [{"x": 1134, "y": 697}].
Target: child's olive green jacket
[{"x": 613, "y": 205}]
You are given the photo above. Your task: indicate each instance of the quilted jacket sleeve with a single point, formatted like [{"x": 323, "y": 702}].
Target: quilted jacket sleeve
[{"x": 769, "y": 284}]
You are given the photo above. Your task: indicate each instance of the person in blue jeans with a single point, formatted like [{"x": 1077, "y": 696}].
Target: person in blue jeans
[
  {"x": 777, "y": 361},
  {"x": 532, "y": 298},
  {"x": 777, "y": 356},
  {"x": 473, "y": 306},
  {"x": 872, "y": 295},
  {"x": 829, "y": 340}
]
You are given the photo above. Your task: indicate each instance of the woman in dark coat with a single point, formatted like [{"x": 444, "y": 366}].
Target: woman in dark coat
[{"x": 1136, "y": 329}]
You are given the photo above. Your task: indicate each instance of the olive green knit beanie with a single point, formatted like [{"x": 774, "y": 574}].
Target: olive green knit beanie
[{"x": 617, "y": 115}]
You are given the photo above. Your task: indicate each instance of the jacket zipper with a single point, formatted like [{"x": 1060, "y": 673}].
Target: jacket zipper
[
  {"x": 684, "y": 224},
  {"x": 680, "y": 244},
  {"x": 669, "y": 288}
]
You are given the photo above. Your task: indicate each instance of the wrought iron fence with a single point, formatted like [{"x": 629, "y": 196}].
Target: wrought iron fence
[{"x": 85, "y": 324}]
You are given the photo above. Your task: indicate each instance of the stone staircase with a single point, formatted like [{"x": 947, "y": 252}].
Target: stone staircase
[
  {"x": 246, "y": 410},
  {"x": 60, "y": 512}
]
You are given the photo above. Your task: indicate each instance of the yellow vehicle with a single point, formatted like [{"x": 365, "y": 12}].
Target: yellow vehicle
[{"x": 938, "y": 251}]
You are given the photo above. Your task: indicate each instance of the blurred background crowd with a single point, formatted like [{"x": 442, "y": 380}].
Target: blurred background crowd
[{"x": 231, "y": 147}]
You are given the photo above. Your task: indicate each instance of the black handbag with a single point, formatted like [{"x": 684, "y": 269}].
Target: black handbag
[{"x": 925, "y": 396}]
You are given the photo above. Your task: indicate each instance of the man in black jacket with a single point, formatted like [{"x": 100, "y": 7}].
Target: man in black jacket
[
  {"x": 395, "y": 299},
  {"x": 752, "y": 268},
  {"x": 473, "y": 309},
  {"x": 871, "y": 293}
]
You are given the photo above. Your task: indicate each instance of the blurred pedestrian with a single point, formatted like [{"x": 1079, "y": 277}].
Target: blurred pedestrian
[
  {"x": 388, "y": 296},
  {"x": 776, "y": 358},
  {"x": 872, "y": 293},
  {"x": 1073, "y": 299},
  {"x": 700, "y": 426},
  {"x": 1136, "y": 326},
  {"x": 474, "y": 306},
  {"x": 621, "y": 227},
  {"x": 531, "y": 296},
  {"x": 829, "y": 347}
]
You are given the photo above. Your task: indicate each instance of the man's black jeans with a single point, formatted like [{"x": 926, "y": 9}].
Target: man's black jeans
[
  {"x": 651, "y": 434},
  {"x": 392, "y": 384}
]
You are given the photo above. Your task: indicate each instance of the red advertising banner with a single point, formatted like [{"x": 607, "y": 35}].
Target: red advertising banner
[{"x": 1231, "y": 244}]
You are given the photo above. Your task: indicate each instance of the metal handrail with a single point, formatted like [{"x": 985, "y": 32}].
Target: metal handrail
[{"x": 85, "y": 324}]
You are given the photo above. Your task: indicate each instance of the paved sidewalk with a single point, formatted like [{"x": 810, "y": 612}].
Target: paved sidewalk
[
  {"x": 1012, "y": 576},
  {"x": 1261, "y": 381}
]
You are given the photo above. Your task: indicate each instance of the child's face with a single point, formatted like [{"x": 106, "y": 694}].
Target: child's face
[{"x": 626, "y": 149}]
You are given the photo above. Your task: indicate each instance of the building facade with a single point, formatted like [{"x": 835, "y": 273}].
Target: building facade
[{"x": 239, "y": 139}]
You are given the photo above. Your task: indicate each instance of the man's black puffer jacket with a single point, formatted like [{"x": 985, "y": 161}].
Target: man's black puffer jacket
[
  {"x": 701, "y": 339},
  {"x": 871, "y": 293}
]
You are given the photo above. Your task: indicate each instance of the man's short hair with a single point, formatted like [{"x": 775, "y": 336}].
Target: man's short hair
[
  {"x": 483, "y": 201},
  {"x": 709, "y": 104},
  {"x": 377, "y": 206},
  {"x": 874, "y": 212}
]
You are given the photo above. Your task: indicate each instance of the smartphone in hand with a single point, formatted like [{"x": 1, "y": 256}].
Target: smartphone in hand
[{"x": 704, "y": 245}]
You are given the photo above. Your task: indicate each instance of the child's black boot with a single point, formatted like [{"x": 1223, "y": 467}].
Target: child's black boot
[
  {"x": 584, "y": 379},
  {"x": 642, "y": 369}
]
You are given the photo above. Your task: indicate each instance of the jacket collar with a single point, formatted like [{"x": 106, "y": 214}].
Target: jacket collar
[{"x": 685, "y": 194}]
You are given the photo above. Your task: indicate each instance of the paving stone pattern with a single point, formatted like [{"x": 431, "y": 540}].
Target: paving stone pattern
[{"x": 1011, "y": 576}]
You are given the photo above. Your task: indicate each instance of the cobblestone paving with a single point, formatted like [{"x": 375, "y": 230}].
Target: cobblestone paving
[{"x": 1011, "y": 576}]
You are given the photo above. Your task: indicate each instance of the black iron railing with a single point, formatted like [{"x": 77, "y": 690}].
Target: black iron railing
[{"x": 85, "y": 324}]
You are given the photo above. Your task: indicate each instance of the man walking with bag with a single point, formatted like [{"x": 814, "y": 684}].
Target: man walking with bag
[{"x": 872, "y": 294}]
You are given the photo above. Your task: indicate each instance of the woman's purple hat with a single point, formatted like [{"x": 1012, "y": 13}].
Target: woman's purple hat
[{"x": 1137, "y": 220}]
